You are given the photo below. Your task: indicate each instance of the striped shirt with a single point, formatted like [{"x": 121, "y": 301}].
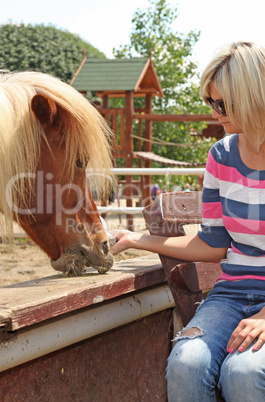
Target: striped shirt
[{"x": 233, "y": 216}]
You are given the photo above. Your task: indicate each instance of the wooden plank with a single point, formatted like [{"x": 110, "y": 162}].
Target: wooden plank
[
  {"x": 170, "y": 211},
  {"x": 111, "y": 110},
  {"x": 124, "y": 364},
  {"x": 122, "y": 131},
  {"x": 174, "y": 117},
  {"x": 147, "y": 199},
  {"x": 203, "y": 277},
  {"x": 114, "y": 122},
  {"x": 160, "y": 159},
  {"x": 129, "y": 109},
  {"x": 27, "y": 303},
  {"x": 166, "y": 217},
  {"x": 140, "y": 135}
]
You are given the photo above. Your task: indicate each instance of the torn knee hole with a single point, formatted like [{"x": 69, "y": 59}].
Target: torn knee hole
[
  {"x": 194, "y": 331},
  {"x": 188, "y": 333}
]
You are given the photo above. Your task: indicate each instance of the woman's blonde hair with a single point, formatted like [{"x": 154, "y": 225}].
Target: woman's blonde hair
[{"x": 238, "y": 73}]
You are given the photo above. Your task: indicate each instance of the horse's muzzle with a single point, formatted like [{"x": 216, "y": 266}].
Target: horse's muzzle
[{"x": 76, "y": 260}]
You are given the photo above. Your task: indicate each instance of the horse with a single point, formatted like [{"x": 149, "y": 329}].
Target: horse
[{"x": 51, "y": 135}]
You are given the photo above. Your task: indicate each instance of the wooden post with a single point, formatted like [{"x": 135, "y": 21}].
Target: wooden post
[
  {"x": 105, "y": 105},
  {"x": 104, "y": 196},
  {"x": 122, "y": 134},
  {"x": 129, "y": 152},
  {"x": 148, "y": 147}
]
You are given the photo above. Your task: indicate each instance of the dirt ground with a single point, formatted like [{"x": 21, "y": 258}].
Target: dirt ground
[{"x": 25, "y": 261}]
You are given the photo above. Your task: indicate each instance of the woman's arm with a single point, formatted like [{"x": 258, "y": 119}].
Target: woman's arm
[{"x": 189, "y": 248}]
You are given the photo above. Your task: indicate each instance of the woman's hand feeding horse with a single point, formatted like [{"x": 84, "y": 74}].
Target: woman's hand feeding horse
[{"x": 49, "y": 134}]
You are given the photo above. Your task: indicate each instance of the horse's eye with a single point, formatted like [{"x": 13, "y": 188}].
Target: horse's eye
[{"x": 81, "y": 164}]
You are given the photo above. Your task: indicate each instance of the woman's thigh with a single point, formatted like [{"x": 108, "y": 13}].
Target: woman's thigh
[
  {"x": 242, "y": 376},
  {"x": 195, "y": 361}
]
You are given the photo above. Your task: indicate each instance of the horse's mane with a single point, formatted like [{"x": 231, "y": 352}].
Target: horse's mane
[{"x": 87, "y": 136}]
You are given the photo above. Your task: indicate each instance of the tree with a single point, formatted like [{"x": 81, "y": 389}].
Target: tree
[
  {"x": 43, "y": 48},
  {"x": 153, "y": 33}
]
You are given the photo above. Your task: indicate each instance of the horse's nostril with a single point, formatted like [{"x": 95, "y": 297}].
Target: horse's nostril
[
  {"x": 105, "y": 247},
  {"x": 84, "y": 250}
]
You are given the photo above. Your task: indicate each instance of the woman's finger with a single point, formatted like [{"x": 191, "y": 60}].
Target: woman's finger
[{"x": 260, "y": 342}]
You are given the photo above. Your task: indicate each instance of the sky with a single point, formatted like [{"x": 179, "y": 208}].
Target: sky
[{"x": 107, "y": 23}]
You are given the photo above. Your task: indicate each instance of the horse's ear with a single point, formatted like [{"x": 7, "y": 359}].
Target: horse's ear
[{"x": 44, "y": 108}]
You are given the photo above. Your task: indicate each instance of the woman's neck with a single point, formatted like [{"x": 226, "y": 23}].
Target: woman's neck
[{"x": 252, "y": 159}]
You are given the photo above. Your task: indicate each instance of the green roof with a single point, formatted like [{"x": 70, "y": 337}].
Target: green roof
[{"x": 109, "y": 74}]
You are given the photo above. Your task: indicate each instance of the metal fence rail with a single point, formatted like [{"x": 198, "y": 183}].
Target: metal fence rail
[{"x": 145, "y": 172}]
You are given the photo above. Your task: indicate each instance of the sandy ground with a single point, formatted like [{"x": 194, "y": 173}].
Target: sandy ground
[{"x": 25, "y": 261}]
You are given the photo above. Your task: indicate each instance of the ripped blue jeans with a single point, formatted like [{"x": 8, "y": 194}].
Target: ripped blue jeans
[{"x": 199, "y": 363}]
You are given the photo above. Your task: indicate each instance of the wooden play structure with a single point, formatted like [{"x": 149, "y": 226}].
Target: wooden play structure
[{"x": 129, "y": 79}]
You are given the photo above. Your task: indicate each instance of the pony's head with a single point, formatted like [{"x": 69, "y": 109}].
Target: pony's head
[{"x": 49, "y": 135}]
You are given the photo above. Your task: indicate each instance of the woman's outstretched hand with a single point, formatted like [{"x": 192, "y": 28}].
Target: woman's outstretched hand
[
  {"x": 247, "y": 331},
  {"x": 124, "y": 240}
]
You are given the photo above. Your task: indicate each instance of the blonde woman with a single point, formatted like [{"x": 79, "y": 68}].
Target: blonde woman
[{"x": 223, "y": 345}]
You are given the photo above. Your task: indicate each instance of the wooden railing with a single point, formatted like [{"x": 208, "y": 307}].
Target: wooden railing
[
  {"x": 117, "y": 120},
  {"x": 121, "y": 122}
]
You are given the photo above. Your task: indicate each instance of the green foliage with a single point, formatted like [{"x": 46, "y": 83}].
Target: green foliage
[
  {"x": 43, "y": 48},
  {"x": 153, "y": 33}
]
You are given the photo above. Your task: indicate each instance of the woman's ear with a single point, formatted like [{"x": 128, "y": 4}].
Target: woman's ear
[{"x": 45, "y": 109}]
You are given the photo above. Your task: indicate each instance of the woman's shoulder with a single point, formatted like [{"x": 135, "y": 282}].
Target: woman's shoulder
[{"x": 224, "y": 149}]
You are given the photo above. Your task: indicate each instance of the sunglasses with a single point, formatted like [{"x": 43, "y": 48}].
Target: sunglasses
[{"x": 218, "y": 106}]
